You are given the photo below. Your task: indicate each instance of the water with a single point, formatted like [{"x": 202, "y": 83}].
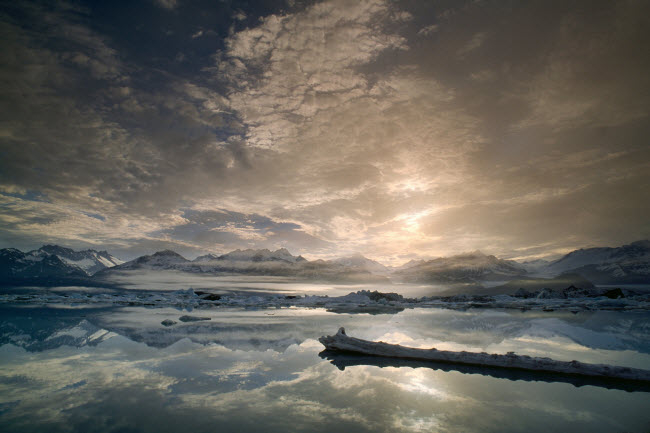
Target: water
[{"x": 81, "y": 369}]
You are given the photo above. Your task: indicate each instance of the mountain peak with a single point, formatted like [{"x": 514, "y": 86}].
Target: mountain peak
[
  {"x": 169, "y": 253},
  {"x": 56, "y": 249},
  {"x": 262, "y": 255},
  {"x": 89, "y": 261},
  {"x": 645, "y": 243},
  {"x": 357, "y": 260},
  {"x": 206, "y": 258}
]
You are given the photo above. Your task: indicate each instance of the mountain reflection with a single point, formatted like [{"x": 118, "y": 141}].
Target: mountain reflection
[{"x": 81, "y": 370}]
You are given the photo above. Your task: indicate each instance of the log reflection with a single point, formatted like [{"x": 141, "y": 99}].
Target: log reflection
[{"x": 343, "y": 360}]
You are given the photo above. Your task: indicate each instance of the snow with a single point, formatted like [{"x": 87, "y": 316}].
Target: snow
[
  {"x": 261, "y": 255},
  {"x": 86, "y": 264},
  {"x": 467, "y": 267},
  {"x": 81, "y": 334},
  {"x": 340, "y": 342},
  {"x": 34, "y": 256},
  {"x": 76, "y": 332},
  {"x": 361, "y": 262},
  {"x": 605, "y": 258},
  {"x": 89, "y": 261},
  {"x": 109, "y": 263}
]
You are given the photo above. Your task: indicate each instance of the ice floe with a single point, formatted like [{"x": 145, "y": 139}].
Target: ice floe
[
  {"x": 363, "y": 301},
  {"x": 340, "y": 342}
]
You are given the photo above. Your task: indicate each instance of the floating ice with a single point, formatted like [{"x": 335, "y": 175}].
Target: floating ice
[
  {"x": 363, "y": 301},
  {"x": 340, "y": 342}
]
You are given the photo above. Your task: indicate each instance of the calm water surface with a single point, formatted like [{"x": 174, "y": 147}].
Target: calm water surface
[{"x": 79, "y": 369}]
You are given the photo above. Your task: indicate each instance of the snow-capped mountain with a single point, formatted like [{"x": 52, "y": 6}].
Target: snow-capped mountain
[
  {"x": 360, "y": 262},
  {"x": 250, "y": 255},
  {"x": 91, "y": 261},
  {"x": 40, "y": 268},
  {"x": 166, "y": 259},
  {"x": 410, "y": 264},
  {"x": 626, "y": 264},
  {"x": 206, "y": 258},
  {"x": 52, "y": 264},
  {"x": 472, "y": 267},
  {"x": 88, "y": 261},
  {"x": 250, "y": 262},
  {"x": 55, "y": 265}
]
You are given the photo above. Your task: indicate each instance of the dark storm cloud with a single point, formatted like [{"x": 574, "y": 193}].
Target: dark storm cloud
[
  {"x": 80, "y": 123},
  {"x": 389, "y": 128}
]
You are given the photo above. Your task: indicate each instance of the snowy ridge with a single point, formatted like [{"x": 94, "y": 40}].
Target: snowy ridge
[
  {"x": 342, "y": 343},
  {"x": 475, "y": 272},
  {"x": 249, "y": 262},
  {"x": 263, "y": 255},
  {"x": 628, "y": 263},
  {"x": 471, "y": 267},
  {"x": 52, "y": 262},
  {"x": 166, "y": 259},
  {"x": 411, "y": 263},
  {"x": 360, "y": 262},
  {"x": 639, "y": 250},
  {"x": 90, "y": 261},
  {"x": 40, "y": 267}
]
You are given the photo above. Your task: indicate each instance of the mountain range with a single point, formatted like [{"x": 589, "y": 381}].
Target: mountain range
[
  {"x": 249, "y": 262},
  {"x": 628, "y": 264},
  {"x": 472, "y": 267},
  {"x": 54, "y": 265}
]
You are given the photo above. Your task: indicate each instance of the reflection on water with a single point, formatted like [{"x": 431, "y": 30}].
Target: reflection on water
[
  {"x": 345, "y": 360},
  {"x": 110, "y": 370}
]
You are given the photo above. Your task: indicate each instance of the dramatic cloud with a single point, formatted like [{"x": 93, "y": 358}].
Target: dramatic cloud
[{"x": 395, "y": 129}]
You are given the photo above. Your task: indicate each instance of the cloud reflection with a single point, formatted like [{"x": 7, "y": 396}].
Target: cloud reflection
[{"x": 122, "y": 384}]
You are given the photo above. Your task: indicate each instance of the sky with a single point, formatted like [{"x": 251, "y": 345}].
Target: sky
[{"x": 397, "y": 129}]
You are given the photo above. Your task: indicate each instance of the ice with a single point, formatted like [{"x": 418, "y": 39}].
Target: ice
[
  {"x": 340, "y": 342},
  {"x": 360, "y": 301},
  {"x": 193, "y": 318}
]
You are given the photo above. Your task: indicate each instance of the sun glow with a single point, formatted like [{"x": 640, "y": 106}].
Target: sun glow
[{"x": 412, "y": 220}]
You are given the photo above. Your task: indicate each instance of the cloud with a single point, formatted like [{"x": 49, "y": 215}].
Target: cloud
[
  {"x": 218, "y": 374},
  {"x": 167, "y": 4},
  {"x": 350, "y": 121},
  {"x": 473, "y": 44},
  {"x": 72, "y": 134},
  {"x": 223, "y": 231},
  {"x": 306, "y": 105},
  {"x": 305, "y": 63},
  {"x": 586, "y": 78},
  {"x": 239, "y": 15},
  {"x": 427, "y": 30}
]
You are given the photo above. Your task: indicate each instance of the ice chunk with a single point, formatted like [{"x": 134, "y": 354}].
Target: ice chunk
[{"x": 343, "y": 343}]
